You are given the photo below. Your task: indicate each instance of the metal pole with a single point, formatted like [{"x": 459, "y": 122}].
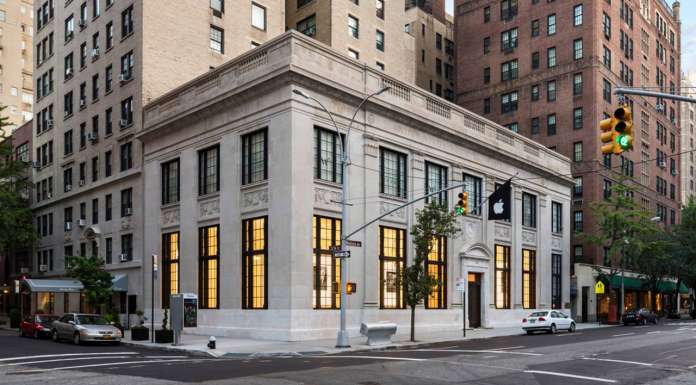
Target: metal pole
[
  {"x": 463, "y": 314},
  {"x": 152, "y": 303},
  {"x": 642, "y": 92}
]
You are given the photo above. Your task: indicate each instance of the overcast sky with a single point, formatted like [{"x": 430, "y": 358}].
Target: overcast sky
[{"x": 688, "y": 16}]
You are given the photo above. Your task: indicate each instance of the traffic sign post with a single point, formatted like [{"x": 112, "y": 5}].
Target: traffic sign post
[{"x": 461, "y": 287}]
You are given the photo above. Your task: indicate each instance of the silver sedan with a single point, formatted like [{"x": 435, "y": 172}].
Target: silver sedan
[{"x": 84, "y": 327}]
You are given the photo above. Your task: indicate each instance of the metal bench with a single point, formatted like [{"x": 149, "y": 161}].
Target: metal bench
[{"x": 378, "y": 333}]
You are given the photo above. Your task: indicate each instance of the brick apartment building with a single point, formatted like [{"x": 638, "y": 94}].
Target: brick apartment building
[{"x": 547, "y": 69}]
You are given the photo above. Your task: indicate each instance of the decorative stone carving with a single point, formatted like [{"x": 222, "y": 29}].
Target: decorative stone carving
[
  {"x": 126, "y": 223},
  {"x": 472, "y": 231},
  {"x": 209, "y": 208},
  {"x": 255, "y": 198},
  {"x": 556, "y": 243},
  {"x": 502, "y": 232},
  {"x": 327, "y": 197},
  {"x": 398, "y": 214},
  {"x": 371, "y": 149},
  {"x": 529, "y": 237},
  {"x": 170, "y": 217}
]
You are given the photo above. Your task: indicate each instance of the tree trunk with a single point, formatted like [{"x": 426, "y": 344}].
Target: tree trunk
[{"x": 413, "y": 324}]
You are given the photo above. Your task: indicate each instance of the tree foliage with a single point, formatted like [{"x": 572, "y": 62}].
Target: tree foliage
[
  {"x": 16, "y": 225},
  {"x": 96, "y": 281},
  {"x": 432, "y": 221}
]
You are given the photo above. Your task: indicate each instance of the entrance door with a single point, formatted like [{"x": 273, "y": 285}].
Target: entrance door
[
  {"x": 474, "y": 300},
  {"x": 585, "y": 298}
]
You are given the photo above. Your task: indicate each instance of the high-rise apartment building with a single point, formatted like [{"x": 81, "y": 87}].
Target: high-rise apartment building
[
  {"x": 16, "y": 84},
  {"x": 547, "y": 69},
  {"x": 97, "y": 62},
  {"x": 433, "y": 34},
  {"x": 372, "y": 32},
  {"x": 688, "y": 121}
]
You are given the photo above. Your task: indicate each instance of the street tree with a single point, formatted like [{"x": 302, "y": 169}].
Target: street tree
[
  {"x": 652, "y": 257},
  {"x": 433, "y": 221},
  {"x": 621, "y": 224},
  {"x": 684, "y": 235},
  {"x": 96, "y": 281},
  {"x": 16, "y": 224}
]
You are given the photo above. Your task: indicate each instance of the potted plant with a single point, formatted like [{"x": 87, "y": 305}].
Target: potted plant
[
  {"x": 140, "y": 332},
  {"x": 164, "y": 335}
]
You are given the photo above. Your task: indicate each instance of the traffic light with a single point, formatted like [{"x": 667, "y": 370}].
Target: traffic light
[
  {"x": 463, "y": 204},
  {"x": 617, "y": 131}
]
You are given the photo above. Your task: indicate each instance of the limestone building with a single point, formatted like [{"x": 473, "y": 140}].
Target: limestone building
[
  {"x": 688, "y": 121},
  {"x": 98, "y": 62},
  {"x": 16, "y": 83},
  {"x": 241, "y": 183}
]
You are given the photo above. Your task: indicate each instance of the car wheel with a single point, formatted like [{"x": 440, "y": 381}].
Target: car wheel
[
  {"x": 571, "y": 329},
  {"x": 76, "y": 338},
  {"x": 35, "y": 334},
  {"x": 54, "y": 336},
  {"x": 553, "y": 329}
]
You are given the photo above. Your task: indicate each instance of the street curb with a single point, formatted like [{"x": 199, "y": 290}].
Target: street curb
[{"x": 198, "y": 353}]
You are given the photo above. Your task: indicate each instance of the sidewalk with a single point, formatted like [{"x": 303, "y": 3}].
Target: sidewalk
[{"x": 239, "y": 347}]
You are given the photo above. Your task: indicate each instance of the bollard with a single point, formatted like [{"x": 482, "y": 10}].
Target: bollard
[{"x": 211, "y": 342}]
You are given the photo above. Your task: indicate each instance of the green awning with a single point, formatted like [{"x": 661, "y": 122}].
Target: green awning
[{"x": 632, "y": 283}]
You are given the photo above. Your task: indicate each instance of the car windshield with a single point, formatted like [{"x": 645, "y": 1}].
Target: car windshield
[
  {"x": 91, "y": 320},
  {"x": 539, "y": 314},
  {"x": 46, "y": 318}
]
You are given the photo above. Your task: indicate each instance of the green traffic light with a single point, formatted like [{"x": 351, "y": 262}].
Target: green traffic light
[
  {"x": 624, "y": 141},
  {"x": 459, "y": 210}
]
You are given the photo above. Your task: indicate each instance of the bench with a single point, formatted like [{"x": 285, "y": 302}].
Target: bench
[{"x": 378, "y": 333}]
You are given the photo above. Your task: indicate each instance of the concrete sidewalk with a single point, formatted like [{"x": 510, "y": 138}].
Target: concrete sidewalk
[{"x": 239, "y": 347}]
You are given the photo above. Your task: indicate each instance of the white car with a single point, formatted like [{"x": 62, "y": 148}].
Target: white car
[{"x": 549, "y": 321}]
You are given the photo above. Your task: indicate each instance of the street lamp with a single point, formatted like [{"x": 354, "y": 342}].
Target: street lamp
[{"x": 342, "y": 338}]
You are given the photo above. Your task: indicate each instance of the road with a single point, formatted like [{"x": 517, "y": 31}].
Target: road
[{"x": 662, "y": 354}]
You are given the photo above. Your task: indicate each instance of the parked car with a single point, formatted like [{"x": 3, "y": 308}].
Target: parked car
[
  {"x": 37, "y": 325},
  {"x": 549, "y": 321},
  {"x": 640, "y": 316},
  {"x": 80, "y": 328}
]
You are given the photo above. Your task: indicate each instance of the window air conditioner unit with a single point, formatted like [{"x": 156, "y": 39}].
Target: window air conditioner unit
[
  {"x": 123, "y": 123},
  {"x": 674, "y": 172},
  {"x": 92, "y": 137},
  {"x": 83, "y": 23},
  {"x": 49, "y": 124},
  {"x": 36, "y": 164},
  {"x": 82, "y": 103},
  {"x": 123, "y": 257},
  {"x": 68, "y": 226},
  {"x": 68, "y": 187},
  {"x": 95, "y": 53},
  {"x": 663, "y": 164},
  {"x": 81, "y": 222},
  {"x": 129, "y": 211},
  {"x": 43, "y": 268},
  {"x": 68, "y": 72},
  {"x": 82, "y": 182}
]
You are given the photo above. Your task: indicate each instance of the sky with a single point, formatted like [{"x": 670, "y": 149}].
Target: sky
[{"x": 688, "y": 17}]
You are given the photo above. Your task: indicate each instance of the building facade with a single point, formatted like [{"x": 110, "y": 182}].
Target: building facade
[
  {"x": 547, "y": 70},
  {"x": 434, "y": 49},
  {"x": 16, "y": 83},
  {"x": 371, "y": 32},
  {"x": 98, "y": 62},
  {"x": 688, "y": 121},
  {"x": 228, "y": 207}
]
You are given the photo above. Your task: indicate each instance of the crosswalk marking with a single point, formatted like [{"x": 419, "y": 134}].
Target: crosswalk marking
[
  {"x": 94, "y": 366},
  {"x": 477, "y": 351},
  {"x": 617, "y": 361},
  {"x": 64, "y": 359},
  {"x": 66, "y": 355},
  {"x": 571, "y": 376}
]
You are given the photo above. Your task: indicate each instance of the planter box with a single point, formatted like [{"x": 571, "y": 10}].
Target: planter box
[
  {"x": 164, "y": 336},
  {"x": 140, "y": 333}
]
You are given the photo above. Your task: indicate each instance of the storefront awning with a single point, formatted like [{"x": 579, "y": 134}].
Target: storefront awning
[
  {"x": 54, "y": 285},
  {"x": 119, "y": 283},
  {"x": 632, "y": 283}
]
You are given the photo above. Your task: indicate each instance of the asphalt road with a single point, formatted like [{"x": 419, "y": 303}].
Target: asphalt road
[{"x": 663, "y": 354}]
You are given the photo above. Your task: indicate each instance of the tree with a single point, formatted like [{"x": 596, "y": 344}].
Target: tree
[
  {"x": 96, "y": 281},
  {"x": 652, "y": 256},
  {"x": 684, "y": 236},
  {"x": 432, "y": 221},
  {"x": 16, "y": 224},
  {"x": 620, "y": 222}
]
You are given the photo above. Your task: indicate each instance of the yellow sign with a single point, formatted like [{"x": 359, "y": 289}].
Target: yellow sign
[{"x": 599, "y": 287}]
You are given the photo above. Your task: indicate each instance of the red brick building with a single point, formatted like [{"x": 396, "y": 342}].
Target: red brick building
[{"x": 547, "y": 69}]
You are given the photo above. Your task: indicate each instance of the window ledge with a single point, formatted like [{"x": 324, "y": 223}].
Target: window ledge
[
  {"x": 67, "y": 117},
  {"x": 131, "y": 33},
  {"x": 253, "y": 185},
  {"x": 209, "y": 196},
  {"x": 527, "y": 228},
  {"x": 170, "y": 205},
  {"x": 393, "y": 198},
  {"x": 328, "y": 183}
]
